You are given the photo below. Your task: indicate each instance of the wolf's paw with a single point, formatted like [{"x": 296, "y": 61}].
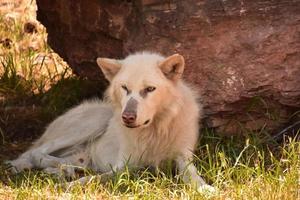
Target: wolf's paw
[
  {"x": 207, "y": 190},
  {"x": 61, "y": 171},
  {"x": 18, "y": 165}
]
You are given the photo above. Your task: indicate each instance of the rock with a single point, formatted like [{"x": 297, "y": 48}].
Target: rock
[
  {"x": 6, "y": 43},
  {"x": 243, "y": 56},
  {"x": 30, "y": 27}
]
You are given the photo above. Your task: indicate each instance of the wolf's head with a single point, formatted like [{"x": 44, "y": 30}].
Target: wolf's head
[{"x": 142, "y": 85}]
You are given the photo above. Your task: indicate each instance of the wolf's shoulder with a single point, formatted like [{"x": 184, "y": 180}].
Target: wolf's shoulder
[{"x": 90, "y": 106}]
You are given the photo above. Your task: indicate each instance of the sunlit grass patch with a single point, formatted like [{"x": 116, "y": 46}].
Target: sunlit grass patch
[{"x": 26, "y": 61}]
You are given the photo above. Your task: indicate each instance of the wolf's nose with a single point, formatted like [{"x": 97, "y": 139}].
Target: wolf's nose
[{"x": 129, "y": 117}]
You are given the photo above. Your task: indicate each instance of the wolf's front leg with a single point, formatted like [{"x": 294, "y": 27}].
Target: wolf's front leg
[
  {"x": 189, "y": 174},
  {"x": 54, "y": 165},
  {"x": 20, "y": 164},
  {"x": 102, "y": 178},
  {"x": 35, "y": 159},
  {"x": 40, "y": 157}
]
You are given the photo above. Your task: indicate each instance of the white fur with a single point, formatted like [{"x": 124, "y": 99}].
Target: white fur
[{"x": 93, "y": 132}]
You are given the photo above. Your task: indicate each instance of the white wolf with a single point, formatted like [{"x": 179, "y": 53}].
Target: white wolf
[{"x": 149, "y": 115}]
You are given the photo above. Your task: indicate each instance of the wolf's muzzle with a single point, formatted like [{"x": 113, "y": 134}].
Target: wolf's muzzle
[{"x": 129, "y": 114}]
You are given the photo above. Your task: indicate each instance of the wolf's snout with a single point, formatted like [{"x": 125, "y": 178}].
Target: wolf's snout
[
  {"x": 129, "y": 117},
  {"x": 129, "y": 114}
]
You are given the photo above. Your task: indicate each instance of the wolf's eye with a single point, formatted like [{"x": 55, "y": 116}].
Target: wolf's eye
[
  {"x": 150, "y": 89},
  {"x": 125, "y": 88}
]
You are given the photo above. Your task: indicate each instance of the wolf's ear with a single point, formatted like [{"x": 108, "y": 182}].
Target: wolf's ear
[
  {"x": 109, "y": 67},
  {"x": 173, "y": 67}
]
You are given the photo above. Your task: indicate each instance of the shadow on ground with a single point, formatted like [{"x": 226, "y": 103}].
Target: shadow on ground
[{"x": 23, "y": 117}]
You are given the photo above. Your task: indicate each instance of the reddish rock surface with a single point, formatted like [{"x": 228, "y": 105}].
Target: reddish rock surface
[{"x": 243, "y": 56}]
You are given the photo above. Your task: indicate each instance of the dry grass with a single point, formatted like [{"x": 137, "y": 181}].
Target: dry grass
[
  {"x": 24, "y": 54},
  {"x": 35, "y": 83}
]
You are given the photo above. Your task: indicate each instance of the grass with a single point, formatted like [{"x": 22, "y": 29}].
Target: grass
[
  {"x": 240, "y": 167},
  {"x": 36, "y": 86},
  {"x": 28, "y": 67}
]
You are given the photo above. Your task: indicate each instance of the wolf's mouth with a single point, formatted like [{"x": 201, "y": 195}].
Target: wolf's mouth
[
  {"x": 131, "y": 126},
  {"x": 136, "y": 126}
]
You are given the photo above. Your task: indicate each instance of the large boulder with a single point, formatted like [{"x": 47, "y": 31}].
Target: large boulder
[{"x": 243, "y": 56}]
